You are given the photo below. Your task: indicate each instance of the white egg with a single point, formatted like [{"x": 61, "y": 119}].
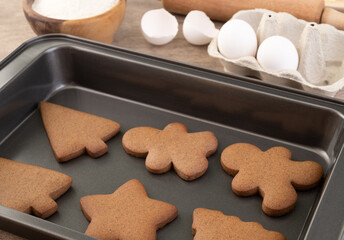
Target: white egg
[
  {"x": 198, "y": 29},
  {"x": 159, "y": 26},
  {"x": 237, "y": 39},
  {"x": 277, "y": 53}
]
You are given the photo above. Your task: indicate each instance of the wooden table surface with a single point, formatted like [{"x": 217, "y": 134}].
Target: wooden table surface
[{"x": 14, "y": 30}]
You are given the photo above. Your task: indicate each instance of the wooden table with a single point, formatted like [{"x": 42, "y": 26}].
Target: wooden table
[{"x": 14, "y": 30}]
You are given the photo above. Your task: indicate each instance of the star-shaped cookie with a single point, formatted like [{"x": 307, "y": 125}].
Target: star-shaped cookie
[
  {"x": 187, "y": 152},
  {"x": 214, "y": 225},
  {"x": 31, "y": 189},
  {"x": 127, "y": 214},
  {"x": 72, "y": 132},
  {"x": 271, "y": 173}
]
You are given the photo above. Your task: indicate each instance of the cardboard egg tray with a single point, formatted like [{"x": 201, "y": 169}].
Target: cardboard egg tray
[{"x": 320, "y": 48}]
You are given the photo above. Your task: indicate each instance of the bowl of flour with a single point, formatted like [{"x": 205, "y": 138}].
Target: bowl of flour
[{"x": 93, "y": 19}]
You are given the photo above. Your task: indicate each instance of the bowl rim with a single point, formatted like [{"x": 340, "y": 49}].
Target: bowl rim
[{"x": 27, "y": 7}]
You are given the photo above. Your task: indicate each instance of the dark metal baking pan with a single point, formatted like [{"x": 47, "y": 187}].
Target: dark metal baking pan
[{"x": 139, "y": 90}]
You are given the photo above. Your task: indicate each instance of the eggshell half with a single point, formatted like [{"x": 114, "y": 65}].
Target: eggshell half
[
  {"x": 198, "y": 29},
  {"x": 159, "y": 26}
]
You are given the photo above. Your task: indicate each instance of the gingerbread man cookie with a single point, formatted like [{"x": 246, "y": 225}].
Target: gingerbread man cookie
[
  {"x": 214, "y": 225},
  {"x": 271, "y": 173},
  {"x": 173, "y": 145},
  {"x": 71, "y": 132},
  {"x": 31, "y": 189},
  {"x": 127, "y": 214}
]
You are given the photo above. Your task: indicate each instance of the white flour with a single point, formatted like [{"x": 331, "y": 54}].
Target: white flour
[{"x": 72, "y": 9}]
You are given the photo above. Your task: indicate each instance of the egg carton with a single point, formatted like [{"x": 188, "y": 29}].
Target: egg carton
[{"x": 320, "y": 48}]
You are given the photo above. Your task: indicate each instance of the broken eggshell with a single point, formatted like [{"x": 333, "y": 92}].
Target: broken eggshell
[
  {"x": 198, "y": 29},
  {"x": 159, "y": 26}
]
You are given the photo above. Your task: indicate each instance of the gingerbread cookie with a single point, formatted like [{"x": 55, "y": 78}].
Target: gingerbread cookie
[
  {"x": 71, "y": 132},
  {"x": 31, "y": 189},
  {"x": 271, "y": 173},
  {"x": 214, "y": 225},
  {"x": 173, "y": 145},
  {"x": 127, "y": 214}
]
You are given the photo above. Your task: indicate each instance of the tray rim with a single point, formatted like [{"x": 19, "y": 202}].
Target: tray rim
[
  {"x": 14, "y": 216},
  {"x": 69, "y": 38}
]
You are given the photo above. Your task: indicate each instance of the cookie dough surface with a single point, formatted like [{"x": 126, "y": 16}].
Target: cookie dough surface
[
  {"x": 214, "y": 225},
  {"x": 173, "y": 145},
  {"x": 271, "y": 173},
  {"x": 127, "y": 214},
  {"x": 72, "y": 132},
  {"x": 31, "y": 189}
]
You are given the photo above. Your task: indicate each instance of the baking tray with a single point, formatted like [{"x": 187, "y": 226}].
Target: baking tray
[{"x": 139, "y": 90}]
